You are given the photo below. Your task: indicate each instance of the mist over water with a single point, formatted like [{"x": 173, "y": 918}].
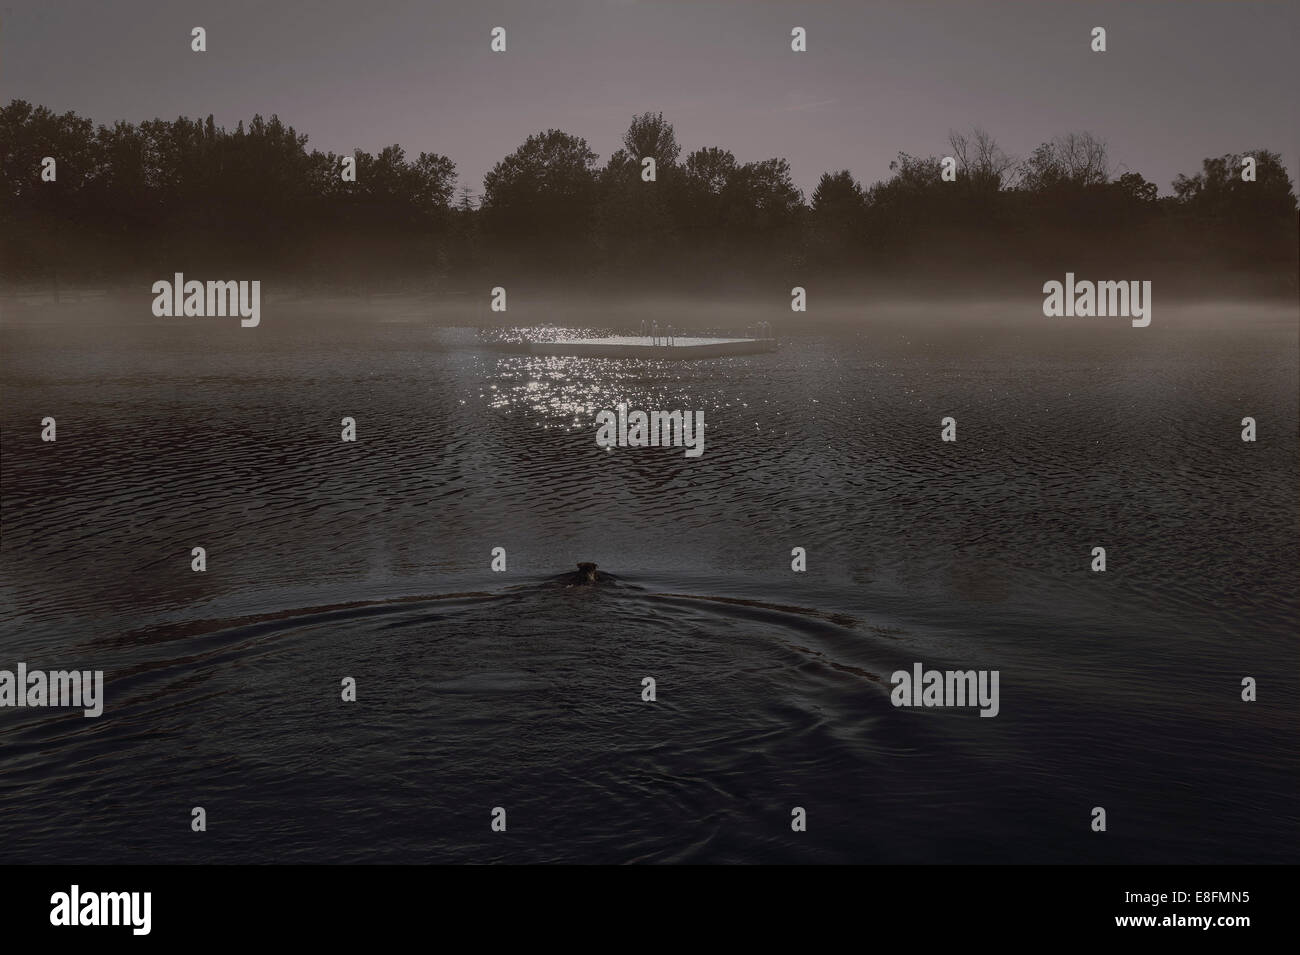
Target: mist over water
[{"x": 477, "y": 689}]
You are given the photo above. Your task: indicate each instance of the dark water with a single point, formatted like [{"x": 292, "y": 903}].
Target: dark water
[{"x": 480, "y": 689}]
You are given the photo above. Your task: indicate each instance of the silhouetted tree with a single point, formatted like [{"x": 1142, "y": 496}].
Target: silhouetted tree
[
  {"x": 981, "y": 163},
  {"x": 635, "y": 224},
  {"x": 542, "y": 196},
  {"x": 1218, "y": 190},
  {"x": 1074, "y": 160},
  {"x": 837, "y": 219},
  {"x": 650, "y": 135},
  {"x": 1134, "y": 187}
]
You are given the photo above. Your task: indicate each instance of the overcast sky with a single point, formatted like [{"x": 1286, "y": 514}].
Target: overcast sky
[{"x": 1181, "y": 80}]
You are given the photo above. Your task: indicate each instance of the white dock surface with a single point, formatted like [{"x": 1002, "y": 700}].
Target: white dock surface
[{"x": 641, "y": 346}]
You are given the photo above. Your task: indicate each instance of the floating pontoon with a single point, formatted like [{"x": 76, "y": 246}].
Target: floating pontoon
[{"x": 652, "y": 345}]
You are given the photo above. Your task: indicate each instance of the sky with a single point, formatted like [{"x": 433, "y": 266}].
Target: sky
[{"x": 1181, "y": 79}]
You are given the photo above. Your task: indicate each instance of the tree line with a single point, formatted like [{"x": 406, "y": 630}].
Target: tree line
[{"x": 132, "y": 200}]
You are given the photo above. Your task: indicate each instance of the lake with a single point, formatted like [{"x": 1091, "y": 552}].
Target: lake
[{"x": 478, "y": 689}]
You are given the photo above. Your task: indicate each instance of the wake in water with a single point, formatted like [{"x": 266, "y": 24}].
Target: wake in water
[{"x": 352, "y": 682}]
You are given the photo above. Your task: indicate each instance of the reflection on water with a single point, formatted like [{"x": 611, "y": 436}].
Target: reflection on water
[{"x": 476, "y": 689}]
